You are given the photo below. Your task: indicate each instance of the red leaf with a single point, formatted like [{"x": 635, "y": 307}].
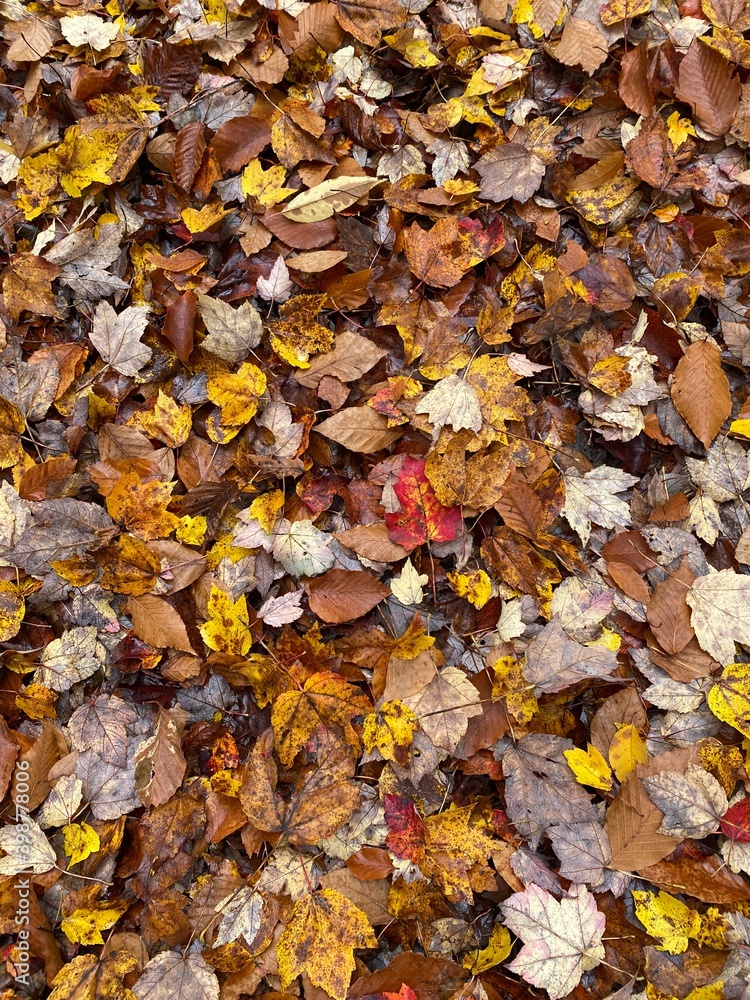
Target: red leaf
[
  {"x": 422, "y": 517},
  {"x": 406, "y": 838},
  {"x": 735, "y": 823}
]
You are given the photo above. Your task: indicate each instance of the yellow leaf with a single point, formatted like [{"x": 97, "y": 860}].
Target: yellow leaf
[
  {"x": 84, "y": 158},
  {"x": 265, "y": 508},
  {"x": 390, "y": 730},
  {"x": 12, "y": 610},
  {"x": 476, "y": 587},
  {"x": 667, "y": 919},
  {"x": 237, "y": 394},
  {"x": 297, "y": 334},
  {"x": 626, "y": 750},
  {"x": 199, "y": 221},
  {"x": 729, "y": 698},
  {"x": 320, "y": 938},
  {"x": 85, "y": 925},
  {"x": 723, "y": 762},
  {"x": 265, "y": 185},
  {"x": 142, "y": 507},
  {"x": 497, "y": 950},
  {"x": 416, "y": 51},
  {"x": 167, "y": 421},
  {"x": 589, "y": 767},
  {"x": 37, "y": 179},
  {"x": 740, "y": 427},
  {"x": 227, "y": 630},
  {"x": 414, "y": 641},
  {"x": 678, "y": 129},
  {"x": 326, "y": 697},
  {"x": 80, "y": 841},
  {"x": 192, "y": 530},
  {"x": 456, "y": 853},
  {"x": 37, "y": 701},
  {"x": 511, "y": 686}
]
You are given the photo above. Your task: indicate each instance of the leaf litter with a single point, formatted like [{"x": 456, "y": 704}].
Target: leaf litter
[{"x": 374, "y": 537}]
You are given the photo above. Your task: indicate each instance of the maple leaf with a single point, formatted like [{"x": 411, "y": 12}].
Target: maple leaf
[
  {"x": 444, "y": 707},
  {"x": 562, "y": 939},
  {"x": 117, "y": 337},
  {"x": 228, "y": 627},
  {"x": 324, "y": 803},
  {"x": 422, "y": 518},
  {"x": 320, "y": 938},
  {"x": 297, "y": 334},
  {"x": 87, "y": 976},
  {"x": 232, "y": 333},
  {"x": 141, "y": 507},
  {"x": 592, "y": 498},
  {"x": 172, "y": 974},
  {"x": 325, "y": 698},
  {"x": 302, "y": 549}
]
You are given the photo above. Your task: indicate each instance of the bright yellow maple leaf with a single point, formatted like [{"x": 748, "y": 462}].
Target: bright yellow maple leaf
[
  {"x": 320, "y": 938},
  {"x": 80, "y": 840},
  {"x": 390, "y": 730},
  {"x": 192, "y": 530},
  {"x": 265, "y": 508},
  {"x": 142, "y": 507},
  {"x": 626, "y": 750},
  {"x": 201, "y": 220},
  {"x": 267, "y": 186},
  {"x": 678, "y": 129},
  {"x": 729, "y": 698},
  {"x": 667, "y": 919},
  {"x": 167, "y": 421},
  {"x": 326, "y": 697},
  {"x": 589, "y": 767},
  {"x": 85, "y": 925},
  {"x": 227, "y": 630},
  {"x": 237, "y": 394},
  {"x": 476, "y": 587},
  {"x": 414, "y": 641}
]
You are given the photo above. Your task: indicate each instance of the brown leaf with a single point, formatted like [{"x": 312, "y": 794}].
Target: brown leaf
[
  {"x": 668, "y": 612},
  {"x": 370, "y": 863},
  {"x": 373, "y": 542},
  {"x": 189, "y": 148},
  {"x": 707, "y": 879},
  {"x": 179, "y": 324},
  {"x": 634, "y": 87},
  {"x": 359, "y": 428},
  {"x": 324, "y": 802},
  {"x": 700, "y": 390},
  {"x": 510, "y": 171},
  {"x": 706, "y": 83},
  {"x": 582, "y": 44},
  {"x": 239, "y": 141},
  {"x": 366, "y": 19},
  {"x": 157, "y": 623},
  {"x": 341, "y": 595}
]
